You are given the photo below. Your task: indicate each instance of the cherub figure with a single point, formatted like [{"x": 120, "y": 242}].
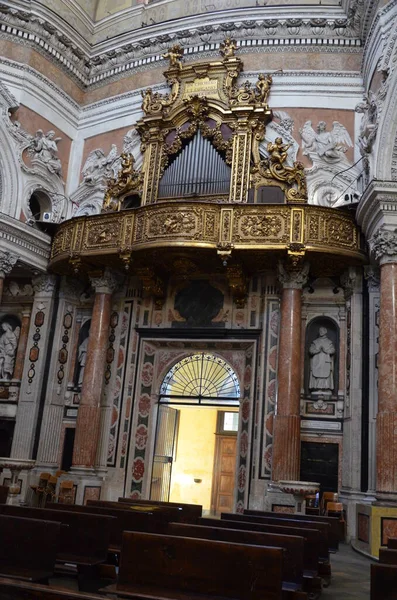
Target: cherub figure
[
  {"x": 263, "y": 87},
  {"x": 278, "y": 151},
  {"x": 174, "y": 55},
  {"x": 228, "y": 47}
]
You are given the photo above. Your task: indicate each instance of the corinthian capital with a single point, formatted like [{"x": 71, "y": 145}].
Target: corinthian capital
[
  {"x": 293, "y": 278},
  {"x": 105, "y": 283},
  {"x": 383, "y": 246},
  {"x": 7, "y": 262}
]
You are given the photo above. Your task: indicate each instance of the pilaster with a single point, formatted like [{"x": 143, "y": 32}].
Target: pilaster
[{"x": 33, "y": 378}]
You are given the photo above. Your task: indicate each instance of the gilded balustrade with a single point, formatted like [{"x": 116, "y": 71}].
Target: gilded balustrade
[{"x": 126, "y": 238}]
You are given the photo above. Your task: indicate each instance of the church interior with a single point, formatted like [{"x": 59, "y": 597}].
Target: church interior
[{"x": 198, "y": 299}]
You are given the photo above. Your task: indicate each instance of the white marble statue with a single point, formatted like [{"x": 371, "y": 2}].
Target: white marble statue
[
  {"x": 81, "y": 359},
  {"x": 322, "y": 352},
  {"x": 8, "y": 349},
  {"x": 369, "y": 122},
  {"x": 329, "y": 146},
  {"x": 43, "y": 147}
]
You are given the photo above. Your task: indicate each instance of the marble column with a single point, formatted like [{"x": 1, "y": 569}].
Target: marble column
[
  {"x": 384, "y": 246},
  {"x": 286, "y": 427},
  {"x": 22, "y": 344},
  {"x": 32, "y": 379},
  {"x": 88, "y": 420},
  {"x": 7, "y": 262}
]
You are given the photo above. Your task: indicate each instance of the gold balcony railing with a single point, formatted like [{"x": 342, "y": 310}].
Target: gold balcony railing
[{"x": 252, "y": 232}]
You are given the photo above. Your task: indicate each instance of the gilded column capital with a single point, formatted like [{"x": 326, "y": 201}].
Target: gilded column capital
[
  {"x": 7, "y": 262},
  {"x": 104, "y": 283},
  {"x": 291, "y": 278},
  {"x": 383, "y": 246},
  {"x": 372, "y": 276}
]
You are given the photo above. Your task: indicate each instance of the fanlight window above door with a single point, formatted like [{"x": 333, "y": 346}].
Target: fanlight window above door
[{"x": 201, "y": 379}]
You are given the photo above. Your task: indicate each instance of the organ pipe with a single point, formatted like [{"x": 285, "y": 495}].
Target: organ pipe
[{"x": 198, "y": 170}]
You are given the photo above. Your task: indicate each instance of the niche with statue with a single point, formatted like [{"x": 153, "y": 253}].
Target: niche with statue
[
  {"x": 10, "y": 328},
  {"x": 322, "y": 358},
  {"x": 81, "y": 355}
]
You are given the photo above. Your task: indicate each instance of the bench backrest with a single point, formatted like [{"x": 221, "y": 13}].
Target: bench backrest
[
  {"x": 293, "y": 524},
  {"x": 336, "y": 532},
  {"x": 88, "y": 535},
  {"x": 190, "y": 512},
  {"x": 292, "y": 545},
  {"x": 3, "y": 494},
  {"x": 311, "y": 553},
  {"x": 383, "y": 582},
  {"x": 29, "y": 543},
  {"x": 388, "y": 556},
  {"x": 392, "y": 543},
  {"x": 12, "y": 589},
  {"x": 201, "y": 566},
  {"x": 162, "y": 514},
  {"x": 124, "y": 519}
]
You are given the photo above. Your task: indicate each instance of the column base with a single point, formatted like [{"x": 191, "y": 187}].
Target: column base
[
  {"x": 87, "y": 482},
  {"x": 376, "y": 522}
]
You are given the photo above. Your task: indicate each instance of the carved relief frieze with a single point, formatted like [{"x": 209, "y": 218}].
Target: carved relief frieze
[{"x": 256, "y": 227}]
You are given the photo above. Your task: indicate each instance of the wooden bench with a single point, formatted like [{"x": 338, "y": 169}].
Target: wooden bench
[
  {"x": 293, "y": 549},
  {"x": 388, "y": 556},
  {"x": 28, "y": 548},
  {"x": 84, "y": 542},
  {"x": 324, "y": 528},
  {"x": 392, "y": 543},
  {"x": 161, "y": 515},
  {"x": 383, "y": 582},
  {"x": 124, "y": 520},
  {"x": 190, "y": 512},
  {"x": 311, "y": 578},
  {"x": 3, "y": 494},
  {"x": 12, "y": 589},
  {"x": 177, "y": 567},
  {"x": 336, "y": 530}
]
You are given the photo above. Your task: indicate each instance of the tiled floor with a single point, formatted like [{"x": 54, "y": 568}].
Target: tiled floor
[{"x": 350, "y": 576}]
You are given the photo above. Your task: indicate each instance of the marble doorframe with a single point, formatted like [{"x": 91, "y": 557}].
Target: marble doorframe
[{"x": 156, "y": 357}]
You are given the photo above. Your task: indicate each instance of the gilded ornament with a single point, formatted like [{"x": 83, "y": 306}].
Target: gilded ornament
[
  {"x": 174, "y": 55},
  {"x": 261, "y": 226},
  {"x": 128, "y": 180},
  {"x": 228, "y": 48}
]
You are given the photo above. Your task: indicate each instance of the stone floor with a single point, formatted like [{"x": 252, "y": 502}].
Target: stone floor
[{"x": 350, "y": 576}]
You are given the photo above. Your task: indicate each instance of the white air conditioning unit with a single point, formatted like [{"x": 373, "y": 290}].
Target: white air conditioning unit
[{"x": 47, "y": 217}]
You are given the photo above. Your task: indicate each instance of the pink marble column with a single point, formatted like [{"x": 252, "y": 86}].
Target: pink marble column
[
  {"x": 88, "y": 419},
  {"x": 286, "y": 427},
  {"x": 22, "y": 344},
  {"x": 386, "y": 421}
]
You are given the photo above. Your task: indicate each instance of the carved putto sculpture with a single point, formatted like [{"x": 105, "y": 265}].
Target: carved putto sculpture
[
  {"x": 174, "y": 55},
  {"x": 263, "y": 87},
  {"x": 228, "y": 47},
  {"x": 43, "y": 147},
  {"x": 8, "y": 349},
  {"x": 369, "y": 123},
  {"x": 329, "y": 146}
]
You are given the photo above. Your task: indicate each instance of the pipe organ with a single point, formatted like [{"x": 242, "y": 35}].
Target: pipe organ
[{"x": 198, "y": 170}]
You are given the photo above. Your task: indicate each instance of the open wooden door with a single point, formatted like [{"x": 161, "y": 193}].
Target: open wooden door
[
  {"x": 224, "y": 475},
  {"x": 167, "y": 426}
]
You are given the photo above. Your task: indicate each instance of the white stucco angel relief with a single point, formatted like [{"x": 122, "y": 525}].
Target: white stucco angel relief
[
  {"x": 323, "y": 145},
  {"x": 97, "y": 164},
  {"x": 43, "y": 147}
]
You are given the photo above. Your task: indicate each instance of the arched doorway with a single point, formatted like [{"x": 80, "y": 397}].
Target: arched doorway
[{"x": 196, "y": 434}]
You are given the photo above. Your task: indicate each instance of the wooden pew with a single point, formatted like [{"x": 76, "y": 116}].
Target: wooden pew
[
  {"x": 388, "y": 556},
  {"x": 125, "y": 520},
  {"x": 392, "y": 543},
  {"x": 28, "y": 548},
  {"x": 383, "y": 582},
  {"x": 336, "y": 531},
  {"x": 12, "y": 589},
  {"x": 84, "y": 542},
  {"x": 3, "y": 494},
  {"x": 325, "y": 570},
  {"x": 311, "y": 578},
  {"x": 293, "y": 548},
  {"x": 177, "y": 567},
  {"x": 161, "y": 514},
  {"x": 190, "y": 512}
]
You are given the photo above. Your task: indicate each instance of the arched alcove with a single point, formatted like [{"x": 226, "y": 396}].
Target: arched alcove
[{"x": 321, "y": 374}]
